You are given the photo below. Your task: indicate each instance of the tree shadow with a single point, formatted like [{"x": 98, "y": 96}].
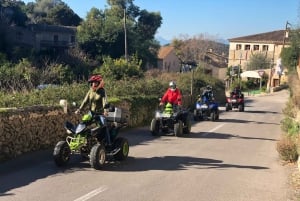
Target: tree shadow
[
  {"x": 175, "y": 163},
  {"x": 213, "y": 135},
  {"x": 33, "y": 167},
  {"x": 245, "y": 121}
]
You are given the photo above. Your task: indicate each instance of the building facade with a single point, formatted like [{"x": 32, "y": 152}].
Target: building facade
[
  {"x": 167, "y": 60},
  {"x": 270, "y": 44}
]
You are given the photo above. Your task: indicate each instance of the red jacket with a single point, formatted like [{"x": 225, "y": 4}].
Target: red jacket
[{"x": 173, "y": 97}]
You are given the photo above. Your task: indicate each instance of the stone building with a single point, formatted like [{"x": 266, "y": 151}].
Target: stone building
[{"x": 241, "y": 49}]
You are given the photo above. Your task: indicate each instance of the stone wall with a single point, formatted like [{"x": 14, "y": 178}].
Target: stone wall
[
  {"x": 41, "y": 127},
  {"x": 31, "y": 129}
]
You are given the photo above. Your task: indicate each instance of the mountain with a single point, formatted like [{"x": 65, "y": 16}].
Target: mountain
[{"x": 162, "y": 41}]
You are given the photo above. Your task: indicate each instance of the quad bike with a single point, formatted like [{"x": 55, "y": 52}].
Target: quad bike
[
  {"x": 89, "y": 139},
  {"x": 205, "y": 110},
  {"x": 235, "y": 102},
  {"x": 171, "y": 118}
]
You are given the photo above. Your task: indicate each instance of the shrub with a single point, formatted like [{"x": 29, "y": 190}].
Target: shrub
[{"x": 287, "y": 149}]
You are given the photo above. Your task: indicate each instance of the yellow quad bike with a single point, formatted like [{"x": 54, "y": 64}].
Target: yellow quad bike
[
  {"x": 89, "y": 139},
  {"x": 171, "y": 118}
]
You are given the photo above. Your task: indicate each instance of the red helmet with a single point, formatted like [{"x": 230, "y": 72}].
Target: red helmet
[{"x": 95, "y": 78}]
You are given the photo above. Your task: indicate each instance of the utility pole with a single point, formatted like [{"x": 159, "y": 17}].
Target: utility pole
[
  {"x": 125, "y": 35},
  {"x": 286, "y": 34}
]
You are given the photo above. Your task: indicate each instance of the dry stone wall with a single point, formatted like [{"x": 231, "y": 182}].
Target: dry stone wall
[
  {"x": 41, "y": 127},
  {"x": 31, "y": 129}
]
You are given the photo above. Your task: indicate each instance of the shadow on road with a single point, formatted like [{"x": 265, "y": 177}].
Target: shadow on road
[
  {"x": 213, "y": 135},
  {"x": 175, "y": 163},
  {"x": 245, "y": 121},
  {"x": 32, "y": 167}
]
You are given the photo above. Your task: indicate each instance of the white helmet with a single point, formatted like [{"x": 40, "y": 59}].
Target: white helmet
[{"x": 172, "y": 85}]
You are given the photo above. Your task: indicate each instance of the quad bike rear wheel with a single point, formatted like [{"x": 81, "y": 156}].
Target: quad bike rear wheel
[
  {"x": 61, "y": 153},
  {"x": 178, "y": 128},
  {"x": 98, "y": 156},
  {"x": 154, "y": 127},
  {"x": 123, "y": 144}
]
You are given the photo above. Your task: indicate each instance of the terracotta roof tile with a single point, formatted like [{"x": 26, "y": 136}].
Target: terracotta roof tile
[
  {"x": 268, "y": 37},
  {"x": 164, "y": 51}
]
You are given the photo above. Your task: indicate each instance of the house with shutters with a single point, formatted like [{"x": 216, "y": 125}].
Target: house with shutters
[
  {"x": 39, "y": 36},
  {"x": 241, "y": 49}
]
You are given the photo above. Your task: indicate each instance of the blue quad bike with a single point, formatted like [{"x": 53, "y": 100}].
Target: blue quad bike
[
  {"x": 89, "y": 139},
  {"x": 206, "y": 110},
  {"x": 171, "y": 118}
]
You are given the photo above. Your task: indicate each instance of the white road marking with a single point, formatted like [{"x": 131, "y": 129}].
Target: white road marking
[
  {"x": 92, "y": 194},
  {"x": 214, "y": 129}
]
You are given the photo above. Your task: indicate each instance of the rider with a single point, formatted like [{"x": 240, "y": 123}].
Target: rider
[
  {"x": 236, "y": 93},
  {"x": 96, "y": 100},
  {"x": 172, "y": 95},
  {"x": 207, "y": 95}
]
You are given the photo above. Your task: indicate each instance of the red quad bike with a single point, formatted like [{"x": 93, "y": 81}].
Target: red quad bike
[{"x": 235, "y": 101}]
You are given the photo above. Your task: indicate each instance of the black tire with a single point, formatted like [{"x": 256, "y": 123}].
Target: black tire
[
  {"x": 187, "y": 126},
  {"x": 178, "y": 128},
  {"x": 61, "y": 153},
  {"x": 98, "y": 156},
  {"x": 241, "y": 108},
  {"x": 154, "y": 127},
  {"x": 196, "y": 117},
  {"x": 227, "y": 107},
  {"x": 123, "y": 144},
  {"x": 213, "y": 116},
  {"x": 217, "y": 115}
]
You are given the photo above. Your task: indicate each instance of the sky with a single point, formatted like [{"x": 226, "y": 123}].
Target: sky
[{"x": 222, "y": 19}]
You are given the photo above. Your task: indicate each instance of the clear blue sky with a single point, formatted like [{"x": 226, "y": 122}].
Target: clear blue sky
[{"x": 223, "y": 19}]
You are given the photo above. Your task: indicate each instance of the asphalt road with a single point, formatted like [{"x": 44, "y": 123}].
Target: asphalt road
[{"x": 233, "y": 159}]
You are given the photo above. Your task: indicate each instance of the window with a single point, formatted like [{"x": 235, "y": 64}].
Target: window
[
  {"x": 238, "y": 47},
  {"x": 255, "y": 47},
  {"x": 265, "y": 47},
  {"x": 247, "y": 47}
]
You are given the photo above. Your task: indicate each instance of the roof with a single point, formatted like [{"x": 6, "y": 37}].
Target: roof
[
  {"x": 52, "y": 28},
  {"x": 268, "y": 37},
  {"x": 164, "y": 51}
]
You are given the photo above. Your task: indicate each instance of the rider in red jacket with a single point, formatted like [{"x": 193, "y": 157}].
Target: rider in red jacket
[{"x": 172, "y": 95}]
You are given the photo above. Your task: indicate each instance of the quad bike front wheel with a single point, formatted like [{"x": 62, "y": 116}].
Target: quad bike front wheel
[
  {"x": 154, "y": 127},
  {"x": 61, "y": 153},
  {"x": 123, "y": 144},
  {"x": 241, "y": 108},
  {"x": 178, "y": 128},
  {"x": 213, "y": 115},
  {"x": 187, "y": 126},
  {"x": 98, "y": 156},
  {"x": 227, "y": 107}
]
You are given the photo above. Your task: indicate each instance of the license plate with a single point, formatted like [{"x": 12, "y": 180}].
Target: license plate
[
  {"x": 204, "y": 106},
  {"x": 166, "y": 115}
]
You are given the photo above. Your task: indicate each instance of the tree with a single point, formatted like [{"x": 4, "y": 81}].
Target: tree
[
  {"x": 290, "y": 55},
  {"x": 63, "y": 15},
  {"x": 11, "y": 13},
  {"x": 102, "y": 33},
  {"x": 194, "y": 49},
  {"x": 258, "y": 61},
  {"x": 53, "y": 12}
]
